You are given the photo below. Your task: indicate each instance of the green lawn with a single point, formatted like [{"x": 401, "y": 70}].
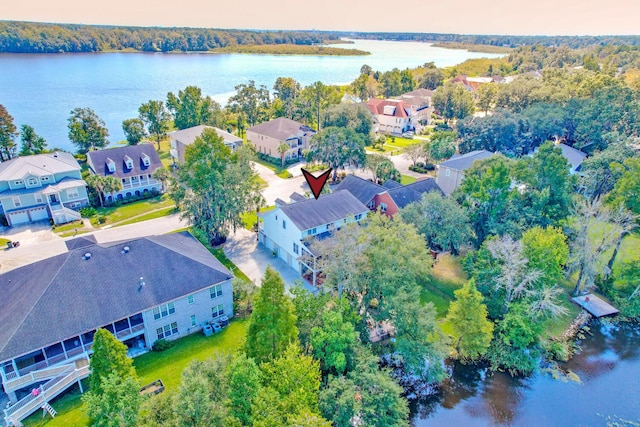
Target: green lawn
[
  {"x": 446, "y": 276},
  {"x": 406, "y": 179},
  {"x": 249, "y": 218},
  {"x": 167, "y": 366},
  {"x": 121, "y": 213},
  {"x": 399, "y": 142},
  {"x": 3, "y": 242}
]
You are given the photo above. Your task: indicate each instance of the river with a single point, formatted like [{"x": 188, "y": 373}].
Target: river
[
  {"x": 608, "y": 367},
  {"x": 41, "y": 90}
]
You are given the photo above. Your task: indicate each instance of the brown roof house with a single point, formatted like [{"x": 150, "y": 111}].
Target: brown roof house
[{"x": 267, "y": 136}]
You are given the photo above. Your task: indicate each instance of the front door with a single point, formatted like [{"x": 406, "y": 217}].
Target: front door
[{"x": 53, "y": 198}]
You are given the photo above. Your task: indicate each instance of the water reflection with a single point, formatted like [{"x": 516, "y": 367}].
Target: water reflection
[{"x": 608, "y": 366}]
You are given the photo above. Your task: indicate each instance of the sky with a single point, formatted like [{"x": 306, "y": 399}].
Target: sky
[{"x": 537, "y": 17}]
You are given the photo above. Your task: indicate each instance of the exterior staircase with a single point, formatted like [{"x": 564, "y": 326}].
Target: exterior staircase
[
  {"x": 62, "y": 214},
  {"x": 40, "y": 397}
]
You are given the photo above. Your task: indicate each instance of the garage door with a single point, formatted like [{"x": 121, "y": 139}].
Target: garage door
[
  {"x": 38, "y": 214},
  {"x": 19, "y": 218}
]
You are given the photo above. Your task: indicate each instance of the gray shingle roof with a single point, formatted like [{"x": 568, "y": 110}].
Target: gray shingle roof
[
  {"x": 282, "y": 129},
  {"x": 100, "y": 158},
  {"x": 464, "y": 161},
  {"x": 59, "y": 297},
  {"x": 413, "y": 192},
  {"x": 362, "y": 189},
  {"x": 187, "y": 136},
  {"x": 575, "y": 157},
  {"x": 39, "y": 165},
  {"x": 328, "y": 208},
  {"x": 390, "y": 183}
]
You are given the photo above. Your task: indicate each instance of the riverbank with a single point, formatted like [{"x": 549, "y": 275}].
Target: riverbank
[
  {"x": 291, "y": 49},
  {"x": 482, "y": 48}
]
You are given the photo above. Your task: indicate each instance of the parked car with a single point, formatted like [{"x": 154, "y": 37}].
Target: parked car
[{"x": 408, "y": 135}]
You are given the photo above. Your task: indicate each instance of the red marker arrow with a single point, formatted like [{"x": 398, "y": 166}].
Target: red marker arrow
[{"x": 316, "y": 183}]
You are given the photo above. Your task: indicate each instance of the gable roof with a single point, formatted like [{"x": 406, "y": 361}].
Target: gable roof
[
  {"x": 574, "y": 156},
  {"x": 376, "y": 106},
  {"x": 38, "y": 165},
  {"x": 282, "y": 129},
  {"x": 364, "y": 190},
  {"x": 99, "y": 159},
  {"x": 59, "y": 297},
  {"x": 188, "y": 136},
  {"x": 390, "y": 183},
  {"x": 326, "y": 209},
  {"x": 413, "y": 192},
  {"x": 464, "y": 161}
]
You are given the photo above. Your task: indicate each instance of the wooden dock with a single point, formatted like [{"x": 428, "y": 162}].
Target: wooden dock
[{"x": 595, "y": 305}]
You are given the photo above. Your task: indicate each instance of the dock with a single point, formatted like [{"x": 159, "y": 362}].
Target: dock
[{"x": 595, "y": 305}]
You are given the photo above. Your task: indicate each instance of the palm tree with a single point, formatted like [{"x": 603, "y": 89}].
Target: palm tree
[
  {"x": 97, "y": 183},
  {"x": 111, "y": 184},
  {"x": 162, "y": 175},
  {"x": 282, "y": 149}
]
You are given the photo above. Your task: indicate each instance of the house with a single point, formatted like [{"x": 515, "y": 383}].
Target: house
[
  {"x": 473, "y": 83},
  {"x": 390, "y": 197},
  {"x": 419, "y": 101},
  {"x": 392, "y": 116},
  {"x": 141, "y": 290},
  {"x": 450, "y": 173},
  {"x": 180, "y": 139},
  {"x": 573, "y": 156},
  {"x": 42, "y": 186},
  {"x": 133, "y": 165},
  {"x": 288, "y": 228},
  {"x": 267, "y": 136}
]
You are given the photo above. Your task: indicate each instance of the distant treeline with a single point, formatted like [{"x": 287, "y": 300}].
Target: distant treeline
[
  {"x": 31, "y": 37},
  {"x": 574, "y": 42}
]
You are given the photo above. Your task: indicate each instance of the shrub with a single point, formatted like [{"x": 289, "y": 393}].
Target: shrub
[
  {"x": 88, "y": 212},
  {"x": 422, "y": 168},
  {"x": 162, "y": 345},
  {"x": 101, "y": 219},
  {"x": 3, "y": 220}
]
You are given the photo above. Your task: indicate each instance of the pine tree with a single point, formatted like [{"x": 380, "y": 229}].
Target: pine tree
[
  {"x": 109, "y": 356},
  {"x": 273, "y": 322},
  {"x": 468, "y": 318}
]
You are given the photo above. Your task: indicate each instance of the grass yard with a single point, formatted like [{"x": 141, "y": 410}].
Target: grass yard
[
  {"x": 151, "y": 215},
  {"x": 446, "y": 277},
  {"x": 167, "y": 366},
  {"x": 121, "y": 213},
  {"x": 399, "y": 142},
  {"x": 3, "y": 242},
  {"x": 164, "y": 153},
  {"x": 406, "y": 179},
  {"x": 249, "y": 219}
]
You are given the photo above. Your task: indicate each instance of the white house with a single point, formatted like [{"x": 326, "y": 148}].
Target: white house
[
  {"x": 267, "y": 136},
  {"x": 392, "y": 116},
  {"x": 287, "y": 229},
  {"x": 34, "y": 188}
]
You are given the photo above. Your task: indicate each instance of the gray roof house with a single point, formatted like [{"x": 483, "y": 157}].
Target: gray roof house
[
  {"x": 267, "y": 136},
  {"x": 180, "y": 139},
  {"x": 134, "y": 165},
  {"x": 40, "y": 187},
  {"x": 450, "y": 173},
  {"x": 287, "y": 229},
  {"x": 574, "y": 157},
  {"x": 141, "y": 290}
]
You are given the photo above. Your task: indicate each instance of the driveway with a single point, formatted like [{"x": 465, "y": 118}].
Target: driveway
[{"x": 252, "y": 259}]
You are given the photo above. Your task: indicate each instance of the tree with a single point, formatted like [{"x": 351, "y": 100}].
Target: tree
[
  {"x": 156, "y": 117},
  {"x": 626, "y": 191},
  {"x": 626, "y": 222},
  {"x": 309, "y": 310},
  {"x": 431, "y": 79},
  {"x": 366, "y": 69},
  {"x": 134, "y": 130},
  {"x": 117, "y": 405},
  {"x": 282, "y": 149},
  {"x": 337, "y": 147},
  {"x": 86, "y": 130},
  {"x": 444, "y": 223},
  {"x": 364, "y": 87},
  {"x": 487, "y": 95},
  {"x": 453, "y": 101},
  {"x": 441, "y": 146},
  {"x": 109, "y": 357},
  {"x": 391, "y": 82},
  {"x": 546, "y": 250},
  {"x": 414, "y": 153},
  {"x": 190, "y": 108},
  {"x": 244, "y": 379},
  {"x": 221, "y": 186},
  {"x": 468, "y": 318},
  {"x": 379, "y": 166},
  {"x": 164, "y": 176},
  {"x": 354, "y": 116},
  {"x": 319, "y": 96},
  {"x": 7, "y": 135},
  {"x": 103, "y": 185},
  {"x": 501, "y": 131},
  {"x": 333, "y": 343},
  {"x": 32, "y": 143},
  {"x": 273, "y": 322},
  {"x": 287, "y": 90},
  {"x": 252, "y": 101},
  {"x": 601, "y": 170}
]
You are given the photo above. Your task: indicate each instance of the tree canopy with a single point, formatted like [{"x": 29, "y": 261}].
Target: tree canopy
[{"x": 87, "y": 131}]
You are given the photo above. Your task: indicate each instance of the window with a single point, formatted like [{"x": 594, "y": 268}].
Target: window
[
  {"x": 72, "y": 193},
  {"x": 193, "y": 320},
  {"x": 18, "y": 183},
  {"x": 167, "y": 330},
  {"x": 296, "y": 249},
  {"x": 217, "y": 310},
  {"x": 383, "y": 207},
  {"x": 38, "y": 197},
  {"x": 44, "y": 178},
  {"x": 284, "y": 224},
  {"x": 16, "y": 202},
  {"x": 190, "y": 299},
  {"x": 371, "y": 204},
  {"x": 215, "y": 291},
  {"x": 448, "y": 172},
  {"x": 146, "y": 160},
  {"x": 163, "y": 311},
  {"x": 111, "y": 165},
  {"x": 32, "y": 181},
  {"x": 358, "y": 217}
]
